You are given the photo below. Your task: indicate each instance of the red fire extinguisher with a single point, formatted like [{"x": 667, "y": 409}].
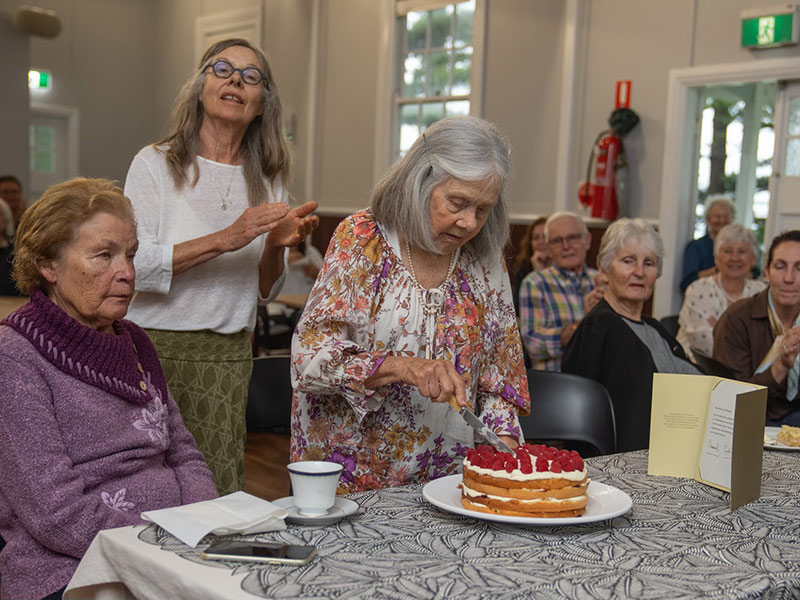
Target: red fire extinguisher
[{"x": 604, "y": 192}]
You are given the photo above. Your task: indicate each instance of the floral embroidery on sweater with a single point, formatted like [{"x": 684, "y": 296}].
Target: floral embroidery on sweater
[
  {"x": 153, "y": 418},
  {"x": 117, "y": 501}
]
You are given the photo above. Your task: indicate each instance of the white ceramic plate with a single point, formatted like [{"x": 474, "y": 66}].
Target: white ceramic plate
[
  {"x": 772, "y": 433},
  {"x": 342, "y": 507},
  {"x": 605, "y": 502}
]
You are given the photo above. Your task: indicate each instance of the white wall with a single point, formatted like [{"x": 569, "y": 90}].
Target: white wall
[
  {"x": 103, "y": 64},
  {"x": 14, "y": 103},
  {"x": 522, "y": 95}
]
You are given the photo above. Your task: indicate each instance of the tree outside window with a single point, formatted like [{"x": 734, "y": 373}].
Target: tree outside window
[{"x": 435, "y": 71}]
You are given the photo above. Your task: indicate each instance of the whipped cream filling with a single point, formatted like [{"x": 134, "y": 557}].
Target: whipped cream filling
[
  {"x": 473, "y": 494},
  {"x": 518, "y": 475}
]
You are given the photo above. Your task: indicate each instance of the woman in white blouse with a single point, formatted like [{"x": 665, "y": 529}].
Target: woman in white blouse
[
  {"x": 214, "y": 223},
  {"x": 707, "y": 298}
]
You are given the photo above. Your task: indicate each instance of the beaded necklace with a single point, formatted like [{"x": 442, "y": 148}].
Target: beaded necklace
[
  {"x": 430, "y": 300},
  {"x": 724, "y": 293}
]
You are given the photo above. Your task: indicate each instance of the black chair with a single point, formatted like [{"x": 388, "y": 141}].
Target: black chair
[
  {"x": 570, "y": 408},
  {"x": 269, "y": 398},
  {"x": 710, "y": 366},
  {"x": 670, "y": 323}
]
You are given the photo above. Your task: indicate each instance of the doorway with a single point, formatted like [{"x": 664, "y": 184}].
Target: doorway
[
  {"x": 735, "y": 140},
  {"x": 53, "y": 143},
  {"x": 771, "y": 208}
]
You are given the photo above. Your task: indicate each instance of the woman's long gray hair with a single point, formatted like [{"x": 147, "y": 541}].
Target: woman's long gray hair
[
  {"x": 264, "y": 150},
  {"x": 465, "y": 148}
]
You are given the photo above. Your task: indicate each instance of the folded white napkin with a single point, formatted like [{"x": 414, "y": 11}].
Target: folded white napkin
[{"x": 235, "y": 513}]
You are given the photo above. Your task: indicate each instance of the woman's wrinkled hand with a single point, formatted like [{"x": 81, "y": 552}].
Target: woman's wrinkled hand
[
  {"x": 253, "y": 222},
  {"x": 435, "y": 379},
  {"x": 294, "y": 226}
]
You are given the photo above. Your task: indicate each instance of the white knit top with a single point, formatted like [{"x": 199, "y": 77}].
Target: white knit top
[{"x": 222, "y": 294}]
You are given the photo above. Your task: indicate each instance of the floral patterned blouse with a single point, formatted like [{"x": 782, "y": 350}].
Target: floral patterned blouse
[{"x": 364, "y": 307}]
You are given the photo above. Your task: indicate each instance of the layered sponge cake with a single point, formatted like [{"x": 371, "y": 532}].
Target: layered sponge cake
[{"x": 535, "y": 481}]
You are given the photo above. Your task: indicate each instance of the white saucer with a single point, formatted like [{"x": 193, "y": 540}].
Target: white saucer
[{"x": 342, "y": 507}]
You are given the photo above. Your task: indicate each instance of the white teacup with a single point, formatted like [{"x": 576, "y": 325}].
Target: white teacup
[{"x": 314, "y": 484}]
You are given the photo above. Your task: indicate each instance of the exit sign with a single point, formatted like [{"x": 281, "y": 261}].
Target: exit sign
[{"x": 768, "y": 29}]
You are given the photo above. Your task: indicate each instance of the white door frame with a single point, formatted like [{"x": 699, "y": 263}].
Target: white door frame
[
  {"x": 42, "y": 109},
  {"x": 675, "y": 207}
]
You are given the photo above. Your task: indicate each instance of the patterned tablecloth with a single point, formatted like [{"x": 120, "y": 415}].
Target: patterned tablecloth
[{"x": 680, "y": 540}]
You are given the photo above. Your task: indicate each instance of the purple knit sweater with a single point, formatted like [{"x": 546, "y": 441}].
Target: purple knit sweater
[{"x": 83, "y": 447}]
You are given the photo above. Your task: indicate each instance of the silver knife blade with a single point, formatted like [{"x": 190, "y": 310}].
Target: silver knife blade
[{"x": 491, "y": 437}]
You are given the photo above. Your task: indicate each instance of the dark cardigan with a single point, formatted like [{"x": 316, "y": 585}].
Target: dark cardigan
[{"x": 604, "y": 348}]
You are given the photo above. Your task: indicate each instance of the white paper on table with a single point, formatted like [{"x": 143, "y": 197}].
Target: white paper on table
[
  {"x": 717, "y": 451},
  {"x": 235, "y": 513}
]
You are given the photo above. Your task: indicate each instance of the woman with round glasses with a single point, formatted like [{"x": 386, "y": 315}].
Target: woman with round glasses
[{"x": 214, "y": 224}]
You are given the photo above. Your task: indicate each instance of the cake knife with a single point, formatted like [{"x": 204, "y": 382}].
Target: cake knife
[{"x": 478, "y": 425}]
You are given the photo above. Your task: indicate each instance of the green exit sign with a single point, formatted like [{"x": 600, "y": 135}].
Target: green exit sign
[{"x": 771, "y": 30}]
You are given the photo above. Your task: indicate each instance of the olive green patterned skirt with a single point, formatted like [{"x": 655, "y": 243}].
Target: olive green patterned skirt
[{"x": 208, "y": 374}]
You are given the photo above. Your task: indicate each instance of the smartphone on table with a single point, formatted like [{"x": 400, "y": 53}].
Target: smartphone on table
[{"x": 279, "y": 554}]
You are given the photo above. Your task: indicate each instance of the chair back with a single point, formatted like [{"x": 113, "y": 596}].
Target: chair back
[
  {"x": 710, "y": 366},
  {"x": 269, "y": 398},
  {"x": 570, "y": 408},
  {"x": 670, "y": 323}
]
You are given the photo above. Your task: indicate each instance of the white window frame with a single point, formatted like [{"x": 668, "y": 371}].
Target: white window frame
[{"x": 386, "y": 109}]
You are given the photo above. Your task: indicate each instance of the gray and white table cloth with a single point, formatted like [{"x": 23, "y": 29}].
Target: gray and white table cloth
[{"x": 680, "y": 540}]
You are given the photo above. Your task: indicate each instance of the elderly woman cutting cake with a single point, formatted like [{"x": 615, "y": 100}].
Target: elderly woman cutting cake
[
  {"x": 89, "y": 434},
  {"x": 412, "y": 308}
]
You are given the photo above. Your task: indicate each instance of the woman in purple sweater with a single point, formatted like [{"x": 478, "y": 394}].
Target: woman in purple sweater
[{"x": 89, "y": 434}]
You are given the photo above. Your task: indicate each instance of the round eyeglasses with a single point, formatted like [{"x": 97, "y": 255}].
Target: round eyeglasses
[{"x": 250, "y": 75}]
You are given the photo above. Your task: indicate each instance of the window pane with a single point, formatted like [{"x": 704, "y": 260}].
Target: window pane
[
  {"x": 409, "y": 125},
  {"x": 793, "y": 157},
  {"x": 441, "y": 27},
  {"x": 464, "y": 15},
  {"x": 457, "y": 108},
  {"x": 462, "y": 72},
  {"x": 414, "y": 76},
  {"x": 432, "y": 112},
  {"x": 794, "y": 116},
  {"x": 416, "y": 27},
  {"x": 440, "y": 74}
]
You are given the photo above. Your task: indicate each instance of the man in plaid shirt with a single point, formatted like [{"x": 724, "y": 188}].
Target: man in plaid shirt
[{"x": 554, "y": 300}]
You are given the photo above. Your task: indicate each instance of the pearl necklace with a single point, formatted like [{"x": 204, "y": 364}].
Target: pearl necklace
[
  {"x": 430, "y": 299},
  {"x": 724, "y": 293}
]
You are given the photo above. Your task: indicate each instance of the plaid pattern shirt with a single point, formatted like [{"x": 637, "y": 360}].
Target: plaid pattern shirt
[{"x": 549, "y": 300}]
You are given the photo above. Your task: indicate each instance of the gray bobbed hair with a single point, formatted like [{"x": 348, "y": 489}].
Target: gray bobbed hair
[
  {"x": 464, "y": 148},
  {"x": 734, "y": 233},
  {"x": 627, "y": 232}
]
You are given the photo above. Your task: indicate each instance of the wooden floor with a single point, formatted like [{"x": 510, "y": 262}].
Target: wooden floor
[{"x": 265, "y": 459}]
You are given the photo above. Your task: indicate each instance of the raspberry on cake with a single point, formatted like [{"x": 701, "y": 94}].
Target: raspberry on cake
[{"x": 535, "y": 481}]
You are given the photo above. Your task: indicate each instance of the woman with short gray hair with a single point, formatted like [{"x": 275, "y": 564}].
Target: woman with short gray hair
[
  {"x": 412, "y": 314},
  {"x": 735, "y": 252},
  {"x": 616, "y": 344}
]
